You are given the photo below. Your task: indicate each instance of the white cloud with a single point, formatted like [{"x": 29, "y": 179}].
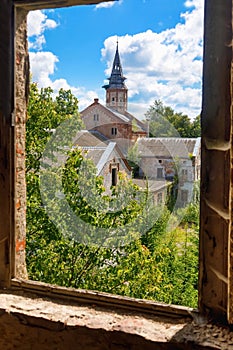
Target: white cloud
[
  {"x": 38, "y": 22},
  {"x": 108, "y": 4},
  {"x": 43, "y": 65},
  {"x": 85, "y": 97},
  {"x": 165, "y": 66},
  {"x": 192, "y": 3},
  {"x": 37, "y": 44}
]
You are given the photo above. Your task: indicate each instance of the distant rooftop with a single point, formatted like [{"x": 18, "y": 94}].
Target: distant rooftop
[
  {"x": 169, "y": 147},
  {"x": 153, "y": 185},
  {"x": 85, "y": 138}
]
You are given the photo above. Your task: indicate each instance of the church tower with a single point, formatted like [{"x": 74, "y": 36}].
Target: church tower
[{"x": 116, "y": 91}]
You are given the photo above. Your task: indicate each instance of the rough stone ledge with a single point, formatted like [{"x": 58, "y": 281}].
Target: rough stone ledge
[
  {"x": 28, "y": 321},
  {"x": 90, "y": 297}
]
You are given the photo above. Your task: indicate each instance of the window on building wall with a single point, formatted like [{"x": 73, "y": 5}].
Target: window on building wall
[
  {"x": 114, "y": 131},
  {"x": 184, "y": 174},
  {"x": 96, "y": 117},
  {"x": 184, "y": 197},
  {"x": 114, "y": 176},
  {"x": 159, "y": 173}
]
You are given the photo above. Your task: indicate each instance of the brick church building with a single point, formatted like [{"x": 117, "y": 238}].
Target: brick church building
[{"x": 113, "y": 121}]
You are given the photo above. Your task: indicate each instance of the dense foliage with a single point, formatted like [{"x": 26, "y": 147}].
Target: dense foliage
[
  {"x": 165, "y": 122},
  {"x": 120, "y": 242}
]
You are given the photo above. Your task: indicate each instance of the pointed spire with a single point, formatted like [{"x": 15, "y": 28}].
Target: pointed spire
[{"x": 116, "y": 80}]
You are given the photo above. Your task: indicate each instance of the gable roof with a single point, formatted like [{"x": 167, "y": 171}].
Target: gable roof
[
  {"x": 100, "y": 155},
  {"x": 105, "y": 156},
  {"x": 141, "y": 124},
  {"x": 118, "y": 114},
  {"x": 97, "y": 150},
  {"x": 87, "y": 138},
  {"x": 112, "y": 113},
  {"x": 167, "y": 147},
  {"x": 152, "y": 185}
]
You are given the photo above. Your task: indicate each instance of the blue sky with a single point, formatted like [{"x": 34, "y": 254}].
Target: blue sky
[{"x": 160, "y": 44}]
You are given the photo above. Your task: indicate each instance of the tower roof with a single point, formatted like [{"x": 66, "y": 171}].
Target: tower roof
[{"x": 116, "y": 80}]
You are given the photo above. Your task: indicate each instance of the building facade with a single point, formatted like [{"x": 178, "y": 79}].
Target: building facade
[
  {"x": 171, "y": 159},
  {"x": 106, "y": 156}
]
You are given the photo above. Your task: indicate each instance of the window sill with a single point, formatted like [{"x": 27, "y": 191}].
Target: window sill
[
  {"x": 39, "y": 316},
  {"x": 101, "y": 299}
]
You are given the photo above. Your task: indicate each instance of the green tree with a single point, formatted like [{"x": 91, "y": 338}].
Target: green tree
[
  {"x": 165, "y": 122},
  {"x": 137, "y": 257},
  {"x": 196, "y": 127},
  {"x": 66, "y": 104},
  {"x": 134, "y": 159},
  {"x": 43, "y": 118}
]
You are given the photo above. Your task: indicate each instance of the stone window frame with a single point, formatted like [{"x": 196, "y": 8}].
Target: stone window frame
[{"x": 216, "y": 243}]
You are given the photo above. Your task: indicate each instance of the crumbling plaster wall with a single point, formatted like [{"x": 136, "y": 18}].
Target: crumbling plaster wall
[
  {"x": 29, "y": 322},
  {"x": 21, "y": 95}
]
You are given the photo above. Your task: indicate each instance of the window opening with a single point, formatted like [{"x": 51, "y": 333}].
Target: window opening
[
  {"x": 184, "y": 197},
  {"x": 184, "y": 174},
  {"x": 84, "y": 183},
  {"x": 114, "y": 131},
  {"x": 114, "y": 177},
  {"x": 159, "y": 173}
]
